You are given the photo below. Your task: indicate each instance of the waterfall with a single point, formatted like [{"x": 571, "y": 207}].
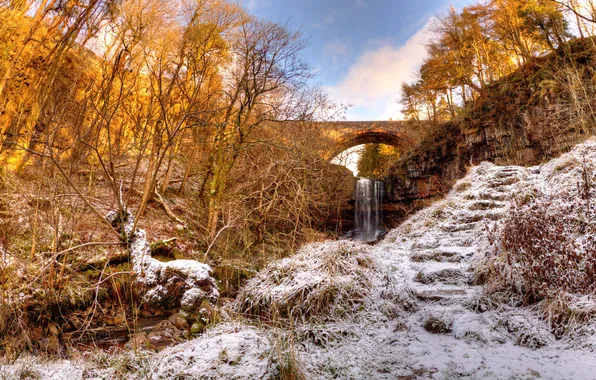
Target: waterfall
[{"x": 368, "y": 219}]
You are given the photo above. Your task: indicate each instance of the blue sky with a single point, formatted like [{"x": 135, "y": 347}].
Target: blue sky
[{"x": 361, "y": 50}]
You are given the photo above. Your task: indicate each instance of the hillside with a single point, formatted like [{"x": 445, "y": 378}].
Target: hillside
[
  {"x": 412, "y": 306},
  {"x": 537, "y": 112}
]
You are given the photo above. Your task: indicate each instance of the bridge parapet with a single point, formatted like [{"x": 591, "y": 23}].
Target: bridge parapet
[{"x": 348, "y": 127}]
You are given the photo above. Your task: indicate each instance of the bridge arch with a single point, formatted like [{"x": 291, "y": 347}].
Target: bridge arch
[{"x": 349, "y": 140}]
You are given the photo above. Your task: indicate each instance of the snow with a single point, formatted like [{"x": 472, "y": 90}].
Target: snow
[
  {"x": 192, "y": 297},
  {"x": 384, "y": 337},
  {"x": 32, "y": 367},
  {"x": 226, "y": 352},
  {"x": 156, "y": 277}
]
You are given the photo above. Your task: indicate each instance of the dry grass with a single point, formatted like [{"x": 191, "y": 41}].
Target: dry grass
[
  {"x": 436, "y": 325},
  {"x": 286, "y": 365},
  {"x": 55, "y": 277}
]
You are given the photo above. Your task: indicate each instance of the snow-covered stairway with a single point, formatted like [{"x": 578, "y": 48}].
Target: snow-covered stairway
[{"x": 441, "y": 244}]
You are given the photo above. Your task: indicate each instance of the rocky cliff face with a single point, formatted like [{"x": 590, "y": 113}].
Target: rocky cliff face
[{"x": 538, "y": 112}]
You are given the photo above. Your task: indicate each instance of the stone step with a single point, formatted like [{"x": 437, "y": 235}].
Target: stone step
[
  {"x": 505, "y": 173},
  {"x": 434, "y": 266},
  {"x": 499, "y": 182},
  {"x": 486, "y": 204},
  {"x": 440, "y": 272},
  {"x": 455, "y": 241},
  {"x": 462, "y": 251},
  {"x": 510, "y": 169},
  {"x": 442, "y": 293},
  {"x": 472, "y": 217},
  {"x": 437, "y": 239},
  {"x": 425, "y": 243},
  {"x": 426, "y": 256},
  {"x": 484, "y": 195},
  {"x": 443, "y": 253},
  {"x": 459, "y": 227},
  {"x": 505, "y": 189}
]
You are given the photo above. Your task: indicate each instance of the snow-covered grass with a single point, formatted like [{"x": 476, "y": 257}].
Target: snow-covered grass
[{"x": 321, "y": 279}]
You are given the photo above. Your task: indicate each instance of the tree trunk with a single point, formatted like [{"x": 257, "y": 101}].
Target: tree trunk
[
  {"x": 191, "y": 159},
  {"x": 149, "y": 186}
]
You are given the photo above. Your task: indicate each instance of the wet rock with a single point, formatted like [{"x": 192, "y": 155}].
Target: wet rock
[
  {"x": 197, "y": 328},
  {"x": 165, "y": 333},
  {"x": 157, "y": 312},
  {"x": 53, "y": 329},
  {"x": 115, "y": 320},
  {"x": 75, "y": 322},
  {"x": 146, "y": 313},
  {"x": 178, "y": 321},
  {"x": 36, "y": 333}
]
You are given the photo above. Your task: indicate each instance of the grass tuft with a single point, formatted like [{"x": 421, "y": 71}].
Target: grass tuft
[{"x": 321, "y": 280}]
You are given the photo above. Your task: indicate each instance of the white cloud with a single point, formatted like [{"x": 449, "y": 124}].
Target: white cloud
[
  {"x": 253, "y": 5},
  {"x": 372, "y": 83},
  {"x": 331, "y": 18}
]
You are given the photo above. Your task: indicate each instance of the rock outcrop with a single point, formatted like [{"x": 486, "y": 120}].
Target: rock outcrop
[{"x": 538, "y": 112}]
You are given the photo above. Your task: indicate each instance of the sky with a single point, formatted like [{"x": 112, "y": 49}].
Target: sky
[{"x": 361, "y": 50}]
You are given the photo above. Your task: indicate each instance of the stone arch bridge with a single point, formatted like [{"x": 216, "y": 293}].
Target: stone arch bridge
[
  {"x": 332, "y": 138},
  {"x": 342, "y": 135}
]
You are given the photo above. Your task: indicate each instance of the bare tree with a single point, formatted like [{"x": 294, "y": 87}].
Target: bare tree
[{"x": 267, "y": 73}]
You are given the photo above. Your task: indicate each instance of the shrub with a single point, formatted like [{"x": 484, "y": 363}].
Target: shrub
[
  {"x": 542, "y": 253},
  {"x": 546, "y": 253}
]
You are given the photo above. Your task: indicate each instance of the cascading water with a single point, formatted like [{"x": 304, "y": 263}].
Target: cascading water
[{"x": 368, "y": 219}]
